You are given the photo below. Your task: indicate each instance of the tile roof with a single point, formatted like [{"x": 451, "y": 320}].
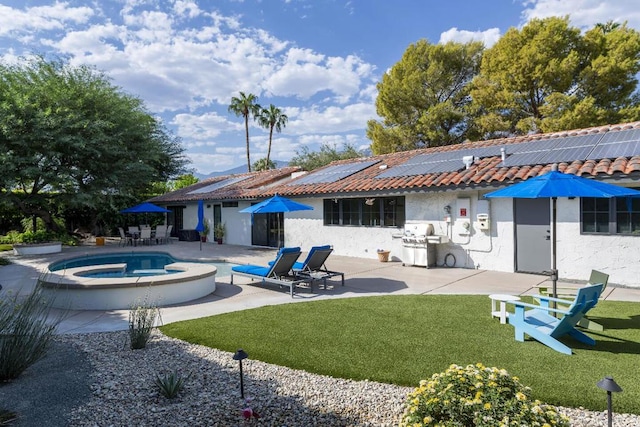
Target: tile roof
[
  {"x": 484, "y": 172},
  {"x": 246, "y": 186}
]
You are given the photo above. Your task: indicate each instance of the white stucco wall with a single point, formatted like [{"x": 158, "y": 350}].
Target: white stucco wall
[
  {"x": 238, "y": 225},
  {"x": 577, "y": 254}
]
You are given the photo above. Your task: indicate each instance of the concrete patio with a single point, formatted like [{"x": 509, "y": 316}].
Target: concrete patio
[{"x": 363, "y": 277}]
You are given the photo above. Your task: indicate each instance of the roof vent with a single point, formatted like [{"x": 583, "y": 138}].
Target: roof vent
[{"x": 468, "y": 161}]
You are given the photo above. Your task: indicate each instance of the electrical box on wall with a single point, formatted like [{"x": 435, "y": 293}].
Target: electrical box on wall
[
  {"x": 463, "y": 216},
  {"x": 483, "y": 221}
]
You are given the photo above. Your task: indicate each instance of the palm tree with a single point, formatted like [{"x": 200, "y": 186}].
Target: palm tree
[
  {"x": 245, "y": 105},
  {"x": 272, "y": 118}
]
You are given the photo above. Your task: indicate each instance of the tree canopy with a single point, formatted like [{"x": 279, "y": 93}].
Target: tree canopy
[
  {"x": 245, "y": 105},
  {"x": 69, "y": 139},
  {"x": 543, "y": 77},
  {"x": 548, "y": 76},
  {"x": 423, "y": 98},
  {"x": 310, "y": 160},
  {"x": 271, "y": 118}
]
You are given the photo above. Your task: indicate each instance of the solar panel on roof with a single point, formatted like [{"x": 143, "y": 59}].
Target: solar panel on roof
[
  {"x": 333, "y": 173},
  {"x": 563, "y": 149},
  {"x": 621, "y": 136},
  {"x": 525, "y": 158},
  {"x": 217, "y": 185},
  {"x": 565, "y": 155},
  {"x": 533, "y": 146},
  {"x": 615, "y": 150}
]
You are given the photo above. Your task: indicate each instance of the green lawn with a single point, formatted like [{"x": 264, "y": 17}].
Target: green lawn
[{"x": 403, "y": 339}]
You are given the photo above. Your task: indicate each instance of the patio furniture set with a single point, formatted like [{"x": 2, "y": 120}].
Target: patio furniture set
[{"x": 144, "y": 235}]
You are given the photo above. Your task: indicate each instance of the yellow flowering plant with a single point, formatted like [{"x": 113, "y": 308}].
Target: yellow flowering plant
[{"x": 476, "y": 395}]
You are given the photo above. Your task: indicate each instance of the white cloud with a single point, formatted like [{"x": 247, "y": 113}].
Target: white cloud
[
  {"x": 41, "y": 18},
  {"x": 202, "y": 128},
  {"x": 332, "y": 119},
  {"x": 488, "y": 37},
  {"x": 305, "y": 73},
  {"x": 183, "y": 58},
  {"x": 585, "y": 13}
]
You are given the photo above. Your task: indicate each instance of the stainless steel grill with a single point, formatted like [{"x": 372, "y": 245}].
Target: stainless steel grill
[{"x": 416, "y": 247}]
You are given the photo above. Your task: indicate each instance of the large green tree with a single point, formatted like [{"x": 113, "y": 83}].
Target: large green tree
[
  {"x": 245, "y": 105},
  {"x": 548, "y": 76},
  {"x": 70, "y": 140},
  {"x": 309, "y": 160},
  {"x": 422, "y": 100},
  {"x": 272, "y": 118}
]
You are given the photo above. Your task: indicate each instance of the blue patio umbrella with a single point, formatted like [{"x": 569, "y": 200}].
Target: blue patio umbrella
[
  {"x": 276, "y": 204},
  {"x": 145, "y": 207},
  {"x": 555, "y": 184},
  {"x": 200, "y": 226}
]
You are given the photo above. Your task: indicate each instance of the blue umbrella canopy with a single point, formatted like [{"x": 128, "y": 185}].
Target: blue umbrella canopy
[
  {"x": 555, "y": 184},
  {"x": 145, "y": 207},
  {"x": 200, "y": 226},
  {"x": 276, "y": 204}
]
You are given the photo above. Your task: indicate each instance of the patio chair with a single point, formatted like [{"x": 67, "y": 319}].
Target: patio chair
[
  {"x": 280, "y": 272},
  {"x": 168, "y": 234},
  {"x": 540, "y": 323},
  {"x": 568, "y": 293},
  {"x": 314, "y": 265},
  {"x": 124, "y": 239},
  {"x": 160, "y": 234},
  {"x": 145, "y": 236}
]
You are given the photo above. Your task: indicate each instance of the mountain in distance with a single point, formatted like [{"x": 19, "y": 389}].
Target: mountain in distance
[{"x": 239, "y": 169}]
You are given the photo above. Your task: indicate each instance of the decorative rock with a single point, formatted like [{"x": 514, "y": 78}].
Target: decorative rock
[{"x": 124, "y": 390}]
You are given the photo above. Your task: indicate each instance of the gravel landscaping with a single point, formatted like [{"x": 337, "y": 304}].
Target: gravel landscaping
[{"x": 96, "y": 380}]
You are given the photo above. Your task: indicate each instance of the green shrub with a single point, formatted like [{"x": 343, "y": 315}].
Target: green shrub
[
  {"x": 11, "y": 237},
  {"x": 4, "y": 261},
  {"x": 25, "y": 334},
  {"x": 476, "y": 396},
  {"x": 170, "y": 384},
  {"x": 142, "y": 318}
]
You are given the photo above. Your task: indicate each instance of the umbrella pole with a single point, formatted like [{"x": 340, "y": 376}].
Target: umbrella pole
[{"x": 554, "y": 270}]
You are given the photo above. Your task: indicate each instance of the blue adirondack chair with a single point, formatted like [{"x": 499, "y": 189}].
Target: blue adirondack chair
[{"x": 540, "y": 323}]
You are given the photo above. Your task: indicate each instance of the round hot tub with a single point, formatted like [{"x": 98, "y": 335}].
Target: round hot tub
[{"x": 121, "y": 280}]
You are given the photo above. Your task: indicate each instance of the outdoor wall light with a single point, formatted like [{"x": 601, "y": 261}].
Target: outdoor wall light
[
  {"x": 208, "y": 206},
  {"x": 610, "y": 386},
  {"x": 447, "y": 209},
  {"x": 240, "y": 355}
]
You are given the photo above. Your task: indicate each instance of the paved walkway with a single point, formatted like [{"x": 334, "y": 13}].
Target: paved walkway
[{"x": 363, "y": 277}]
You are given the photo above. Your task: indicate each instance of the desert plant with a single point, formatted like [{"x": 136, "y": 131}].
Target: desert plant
[
  {"x": 25, "y": 332},
  {"x": 476, "y": 395},
  {"x": 170, "y": 384},
  {"x": 142, "y": 318}
]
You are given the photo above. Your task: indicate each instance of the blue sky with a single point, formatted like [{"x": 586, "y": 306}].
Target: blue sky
[{"x": 317, "y": 60}]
